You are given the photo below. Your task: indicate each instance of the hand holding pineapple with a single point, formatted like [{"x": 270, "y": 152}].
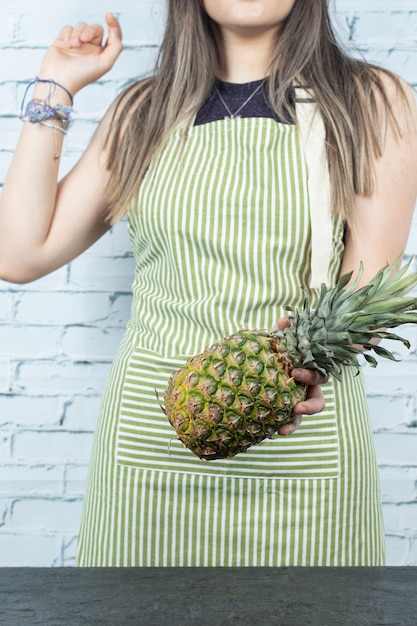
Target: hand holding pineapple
[
  {"x": 314, "y": 401},
  {"x": 242, "y": 389}
]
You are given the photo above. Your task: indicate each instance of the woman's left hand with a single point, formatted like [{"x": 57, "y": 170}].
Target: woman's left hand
[{"x": 314, "y": 401}]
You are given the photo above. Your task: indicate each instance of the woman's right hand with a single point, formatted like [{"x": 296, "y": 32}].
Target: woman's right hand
[{"x": 79, "y": 56}]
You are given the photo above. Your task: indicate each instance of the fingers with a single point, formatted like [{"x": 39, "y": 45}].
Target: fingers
[
  {"x": 309, "y": 377},
  {"x": 83, "y": 33},
  {"x": 115, "y": 32},
  {"x": 283, "y": 322},
  {"x": 290, "y": 428},
  {"x": 91, "y": 33},
  {"x": 75, "y": 36},
  {"x": 314, "y": 402},
  {"x": 114, "y": 44},
  {"x": 64, "y": 35}
]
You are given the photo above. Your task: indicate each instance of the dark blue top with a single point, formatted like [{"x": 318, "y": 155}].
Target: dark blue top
[{"x": 234, "y": 95}]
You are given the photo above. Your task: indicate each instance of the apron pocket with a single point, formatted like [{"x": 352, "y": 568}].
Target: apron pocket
[{"x": 146, "y": 440}]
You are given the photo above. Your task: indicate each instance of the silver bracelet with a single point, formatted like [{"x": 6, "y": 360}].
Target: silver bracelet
[{"x": 54, "y": 126}]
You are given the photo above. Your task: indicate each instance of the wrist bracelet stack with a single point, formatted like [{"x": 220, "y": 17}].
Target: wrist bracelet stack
[{"x": 40, "y": 111}]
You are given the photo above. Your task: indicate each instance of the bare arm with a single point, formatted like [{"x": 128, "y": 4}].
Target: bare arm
[
  {"x": 383, "y": 220},
  {"x": 45, "y": 224}
]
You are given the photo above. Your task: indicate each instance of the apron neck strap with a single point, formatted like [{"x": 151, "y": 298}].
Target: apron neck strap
[{"x": 313, "y": 140}]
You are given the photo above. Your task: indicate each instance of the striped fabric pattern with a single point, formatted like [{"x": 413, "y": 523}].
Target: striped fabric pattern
[
  {"x": 221, "y": 238},
  {"x": 146, "y": 439},
  {"x": 217, "y": 254}
]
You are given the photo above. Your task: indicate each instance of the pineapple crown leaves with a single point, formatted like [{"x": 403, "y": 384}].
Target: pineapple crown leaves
[{"x": 326, "y": 338}]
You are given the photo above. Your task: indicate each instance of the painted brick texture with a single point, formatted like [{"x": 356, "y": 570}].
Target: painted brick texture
[{"x": 58, "y": 335}]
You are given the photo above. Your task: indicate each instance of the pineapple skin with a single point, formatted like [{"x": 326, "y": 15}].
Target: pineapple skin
[{"x": 235, "y": 394}]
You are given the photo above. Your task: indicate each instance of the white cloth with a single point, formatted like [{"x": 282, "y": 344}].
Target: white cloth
[{"x": 313, "y": 140}]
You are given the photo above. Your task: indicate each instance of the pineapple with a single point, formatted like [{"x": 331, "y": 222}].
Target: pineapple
[{"x": 239, "y": 391}]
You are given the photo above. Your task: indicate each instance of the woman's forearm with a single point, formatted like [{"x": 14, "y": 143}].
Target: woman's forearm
[{"x": 29, "y": 193}]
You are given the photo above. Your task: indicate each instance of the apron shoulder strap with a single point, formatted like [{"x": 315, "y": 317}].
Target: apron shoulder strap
[{"x": 313, "y": 140}]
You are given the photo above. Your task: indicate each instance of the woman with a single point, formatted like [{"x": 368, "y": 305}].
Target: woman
[{"x": 222, "y": 164}]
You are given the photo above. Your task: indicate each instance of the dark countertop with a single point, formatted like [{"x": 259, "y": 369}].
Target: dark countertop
[{"x": 209, "y": 596}]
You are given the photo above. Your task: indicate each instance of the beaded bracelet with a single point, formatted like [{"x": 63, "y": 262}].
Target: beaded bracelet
[
  {"x": 42, "y": 112},
  {"x": 37, "y": 111},
  {"x": 54, "y": 126}
]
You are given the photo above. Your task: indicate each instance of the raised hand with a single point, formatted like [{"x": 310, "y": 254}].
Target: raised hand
[{"x": 80, "y": 55}]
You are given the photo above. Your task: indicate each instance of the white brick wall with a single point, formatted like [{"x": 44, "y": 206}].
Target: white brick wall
[{"x": 59, "y": 334}]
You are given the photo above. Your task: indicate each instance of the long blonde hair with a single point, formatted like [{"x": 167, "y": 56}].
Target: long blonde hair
[{"x": 348, "y": 93}]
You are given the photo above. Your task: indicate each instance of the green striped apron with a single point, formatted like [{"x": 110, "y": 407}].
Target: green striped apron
[{"x": 222, "y": 235}]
